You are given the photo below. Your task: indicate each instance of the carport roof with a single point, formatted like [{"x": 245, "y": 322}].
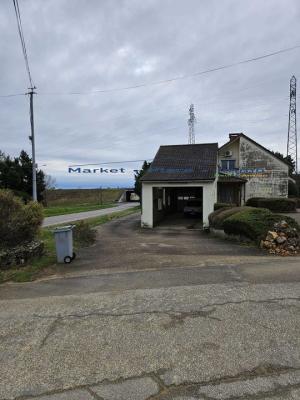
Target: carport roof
[{"x": 187, "y": 162}]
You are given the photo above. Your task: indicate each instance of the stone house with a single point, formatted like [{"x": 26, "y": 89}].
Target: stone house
[
  {"x": 247, "y": 169},
  {"x": 233, "y": 173}
]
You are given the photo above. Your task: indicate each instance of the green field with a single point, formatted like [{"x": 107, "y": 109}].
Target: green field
[
  {"x": 68, "y": 197},
  {"x": 47, "y": 263},
  {"x": 69, "y": 209}
]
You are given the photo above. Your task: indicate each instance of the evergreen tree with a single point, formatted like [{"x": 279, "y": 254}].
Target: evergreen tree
[
  {"x": 16, "y": 174},
  {"x": 287, "y": 159},
  {"x": 137, "y": 177}
]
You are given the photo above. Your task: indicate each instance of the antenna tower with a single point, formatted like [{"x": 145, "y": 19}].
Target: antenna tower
[
  {"x": 292, "y": 131},
  {"x": 191, "y": 124}
]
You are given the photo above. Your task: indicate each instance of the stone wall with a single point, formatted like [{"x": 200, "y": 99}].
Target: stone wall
[{"x": 273, "y": 182}]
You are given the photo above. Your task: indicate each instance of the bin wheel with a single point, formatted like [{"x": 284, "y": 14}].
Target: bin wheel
[
  {"x": 73, "y": 256},
  {"x": 68, "y": 260}
]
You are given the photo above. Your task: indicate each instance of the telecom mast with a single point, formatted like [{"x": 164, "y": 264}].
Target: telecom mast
[
  {"x": 292, "y": 132},
  {"x": 191, "y": 124}
]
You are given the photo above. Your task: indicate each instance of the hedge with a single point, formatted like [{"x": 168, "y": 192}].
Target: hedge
[
  {"x": 216, "y": 219},
  {"x": 217, "y": 206},
  {"x": 280, "y": 204},
  {"x": 255, "y": 223}
]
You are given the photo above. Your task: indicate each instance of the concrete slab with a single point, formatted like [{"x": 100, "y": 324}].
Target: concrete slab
[
  {"x": 134, "y": 389},
  {"x": 196, "y": 316},
  {"x": 225, "y": 391},
  {"x": 69, "y": 395},
  {"x": 186, "y": 338}
]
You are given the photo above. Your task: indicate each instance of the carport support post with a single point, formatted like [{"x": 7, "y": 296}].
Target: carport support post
[
  {"x": 147, "y": 206},
  {"x": 209, "y": 199}
]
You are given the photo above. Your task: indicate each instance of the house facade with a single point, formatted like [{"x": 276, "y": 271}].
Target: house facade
[
  {"x": 253, "y": 170},
  {"x": 233, "y": 173}
]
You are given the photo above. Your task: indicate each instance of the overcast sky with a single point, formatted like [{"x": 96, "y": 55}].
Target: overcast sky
[{"x": 82, "y": 46}]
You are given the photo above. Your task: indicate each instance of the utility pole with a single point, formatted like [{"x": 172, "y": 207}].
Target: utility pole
[
  {"x": 30, "y": 93},
  {"x": 191, "y": 124},
  {"x": 31, "y": 138},
  {"x": 100, "y": 195},
  {"x": 292, "y": 149}
]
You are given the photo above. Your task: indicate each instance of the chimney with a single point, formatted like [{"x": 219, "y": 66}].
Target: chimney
[{"x": 233, "y": 136}]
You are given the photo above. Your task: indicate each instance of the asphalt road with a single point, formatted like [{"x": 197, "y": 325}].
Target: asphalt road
[
  {"x": 277, "y": 272},
  {"x": 65, "y": 219},
  {"x": 182, "y": 316}
]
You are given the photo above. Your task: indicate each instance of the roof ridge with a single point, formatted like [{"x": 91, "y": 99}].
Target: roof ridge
[
  {"x": 190, "y": 144},
  {"x": 239, "y": 135}
]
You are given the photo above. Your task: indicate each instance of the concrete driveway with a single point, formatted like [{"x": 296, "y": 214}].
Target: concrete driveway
[
  {"x": 157, "y": 315},
  {"x": 122, "y": 245}
]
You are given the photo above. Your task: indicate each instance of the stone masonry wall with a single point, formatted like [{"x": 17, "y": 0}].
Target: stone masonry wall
[{"x": 273, "y": 182}]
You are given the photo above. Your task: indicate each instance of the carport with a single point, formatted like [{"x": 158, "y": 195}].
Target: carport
[{"x": 179, "y": 173}]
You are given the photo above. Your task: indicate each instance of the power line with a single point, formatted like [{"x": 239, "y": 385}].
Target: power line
[
  {"x": 111, "y": 162},
  {"x": 161, "y": 81},
  {"x": 20, "y": 29},
  {"x": 226, "y": 66},
  {"x": 12, "y": 95}
]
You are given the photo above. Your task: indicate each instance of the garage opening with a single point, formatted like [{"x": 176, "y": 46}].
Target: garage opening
[{"x": 180, "y": 207}]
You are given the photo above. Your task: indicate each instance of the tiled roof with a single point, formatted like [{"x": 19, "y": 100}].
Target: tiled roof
[{"x": 189, "y": 162}]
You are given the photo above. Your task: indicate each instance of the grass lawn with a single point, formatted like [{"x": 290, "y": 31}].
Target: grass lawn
[
  {"x": 70, "y": 209},
  {"x": 46, "y": 263}
]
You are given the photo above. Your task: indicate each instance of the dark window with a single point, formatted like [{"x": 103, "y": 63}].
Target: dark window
[
  {"x": 228, "y": 164},
  {"x": 231, "y": 164}
]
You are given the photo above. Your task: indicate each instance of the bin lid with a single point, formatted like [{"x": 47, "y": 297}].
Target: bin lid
[{"x": 63, "y": 228}]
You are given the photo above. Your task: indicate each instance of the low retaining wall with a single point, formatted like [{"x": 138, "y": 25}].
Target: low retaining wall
[{"x": 21, "y": 254}]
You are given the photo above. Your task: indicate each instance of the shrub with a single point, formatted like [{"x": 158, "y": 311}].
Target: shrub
[
  {"x": 19, "y": 223},
  {"x": 255, "y": 223},
  {"x": 84, "y": 235},
  {"x": 253, "y": 201},
  {"x": 217, "y": 206},
  {"x": 280, "y": 204},
  {"x": 217, "y": 218}
]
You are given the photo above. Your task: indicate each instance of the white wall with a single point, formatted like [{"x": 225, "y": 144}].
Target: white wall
[
  {"x": 147, "y": 206},
  {"x": 209, "y": 198},
  {"x": 234, "y": 147}
]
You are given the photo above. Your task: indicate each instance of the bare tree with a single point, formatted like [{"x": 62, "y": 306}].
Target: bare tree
[{"x": 50, "y": 182}]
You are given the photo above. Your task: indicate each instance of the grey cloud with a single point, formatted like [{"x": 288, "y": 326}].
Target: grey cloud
[{"x": 87, "y": 45}]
